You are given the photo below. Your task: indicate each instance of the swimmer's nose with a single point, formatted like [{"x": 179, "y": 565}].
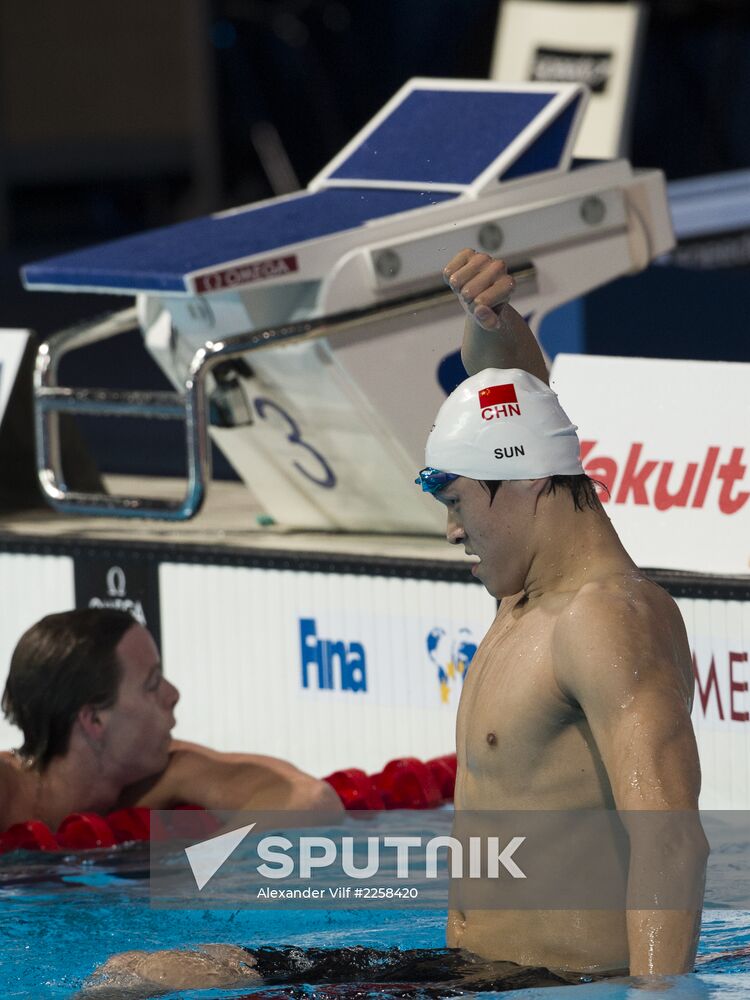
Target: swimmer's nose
[
  {"x": 454, "y": 532},
  {"x": 172, "y": 694}
]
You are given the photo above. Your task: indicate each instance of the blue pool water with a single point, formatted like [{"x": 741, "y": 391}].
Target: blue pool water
[{"x": 62, "y": 916}]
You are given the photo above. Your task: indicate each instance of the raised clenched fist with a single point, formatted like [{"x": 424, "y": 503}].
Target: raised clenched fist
[{"x": 482, "y": 285}]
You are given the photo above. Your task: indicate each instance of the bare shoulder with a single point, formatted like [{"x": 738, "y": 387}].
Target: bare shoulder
[
  {"x": 186, "y": 755},
  {"x": 626, "y": 620},
  {"x": 185, "y": 763},
  {"x": 216, "y": 780},
  {"x": 618, "y": 604}
]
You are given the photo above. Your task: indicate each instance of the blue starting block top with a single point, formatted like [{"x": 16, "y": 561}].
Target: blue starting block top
[
  {"x": 436, "y": 137},
  {"x": 433, "y": 142},
  {"x": 161, "y": 260}
]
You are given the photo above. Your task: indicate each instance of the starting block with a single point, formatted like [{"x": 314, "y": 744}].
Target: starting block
[{"x": 312, "y": 336}]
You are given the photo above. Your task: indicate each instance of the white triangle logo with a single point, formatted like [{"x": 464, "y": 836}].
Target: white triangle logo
[{"x": 207, "y": 857}]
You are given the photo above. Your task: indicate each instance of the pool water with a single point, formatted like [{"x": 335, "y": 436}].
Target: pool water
[{"x": 63, "y": 916}]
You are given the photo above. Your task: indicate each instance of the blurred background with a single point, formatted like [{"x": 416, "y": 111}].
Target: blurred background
[{"x": 116, "y": 117}]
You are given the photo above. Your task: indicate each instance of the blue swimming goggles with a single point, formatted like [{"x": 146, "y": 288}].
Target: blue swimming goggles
[{"x": 433, "y": 480}]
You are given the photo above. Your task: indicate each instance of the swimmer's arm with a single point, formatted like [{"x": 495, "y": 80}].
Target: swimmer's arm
[
  {"x": 138, "y": 975},
  {"x": 495, "y": 336},
  {"x": 612, "y": 657},
  {"x": 203, "y": 777}
]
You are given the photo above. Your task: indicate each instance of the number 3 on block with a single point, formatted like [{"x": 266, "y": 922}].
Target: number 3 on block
[{"x": 325, "y": 476}]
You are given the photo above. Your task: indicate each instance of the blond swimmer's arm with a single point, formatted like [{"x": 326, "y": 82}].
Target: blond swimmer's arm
[
  {"x": 495, "y": 336},
  {"x": 214, "y": 780}
]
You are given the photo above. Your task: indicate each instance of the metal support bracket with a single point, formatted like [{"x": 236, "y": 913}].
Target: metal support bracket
[{"x": 190, "y": 405}]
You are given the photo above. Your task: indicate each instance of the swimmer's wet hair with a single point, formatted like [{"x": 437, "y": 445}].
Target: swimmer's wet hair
[
  {"x": 581, "y": 488},
  {"x": 62, "y": 663}
]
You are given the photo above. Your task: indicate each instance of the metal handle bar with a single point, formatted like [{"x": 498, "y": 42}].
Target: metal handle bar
[{"x": 50, "y": 400}]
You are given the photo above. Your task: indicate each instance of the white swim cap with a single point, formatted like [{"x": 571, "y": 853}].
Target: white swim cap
[{"x": 503, "y": 423}]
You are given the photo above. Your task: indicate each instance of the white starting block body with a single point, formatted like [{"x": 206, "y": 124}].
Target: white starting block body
[{"x": 329, "y": 431}]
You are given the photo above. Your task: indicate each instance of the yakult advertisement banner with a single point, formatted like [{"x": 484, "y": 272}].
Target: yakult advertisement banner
[{"x": 670, "y": 440}]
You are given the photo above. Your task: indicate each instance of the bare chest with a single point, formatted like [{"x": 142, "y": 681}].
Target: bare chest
[{"x": 520, "y": 742}]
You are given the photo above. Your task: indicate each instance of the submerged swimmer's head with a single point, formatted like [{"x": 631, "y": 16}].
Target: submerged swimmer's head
[{"x": 501, "y": 426}]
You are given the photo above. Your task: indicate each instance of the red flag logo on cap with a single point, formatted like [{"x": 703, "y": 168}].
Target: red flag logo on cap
[{"x": 494, "y": 395}]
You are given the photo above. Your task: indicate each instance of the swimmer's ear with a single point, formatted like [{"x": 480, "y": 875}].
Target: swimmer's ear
[{"x": 91, "y": 720}]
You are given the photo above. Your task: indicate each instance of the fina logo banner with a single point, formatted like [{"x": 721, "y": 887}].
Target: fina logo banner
[
  {"x": 669, "y": 441},
  {"x": 330, "y": 664},
  {"x": 451, "y": 656},
  {"x": 435, "y": 662}
]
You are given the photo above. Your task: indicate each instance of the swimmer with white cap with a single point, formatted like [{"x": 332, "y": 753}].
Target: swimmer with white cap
[
  {"x": 577, "y": 699},
  {"x": 579, "y": 696}
]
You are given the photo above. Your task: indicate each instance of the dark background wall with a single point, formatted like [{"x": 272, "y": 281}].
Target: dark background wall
[{"x": 118, "y": 117}]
